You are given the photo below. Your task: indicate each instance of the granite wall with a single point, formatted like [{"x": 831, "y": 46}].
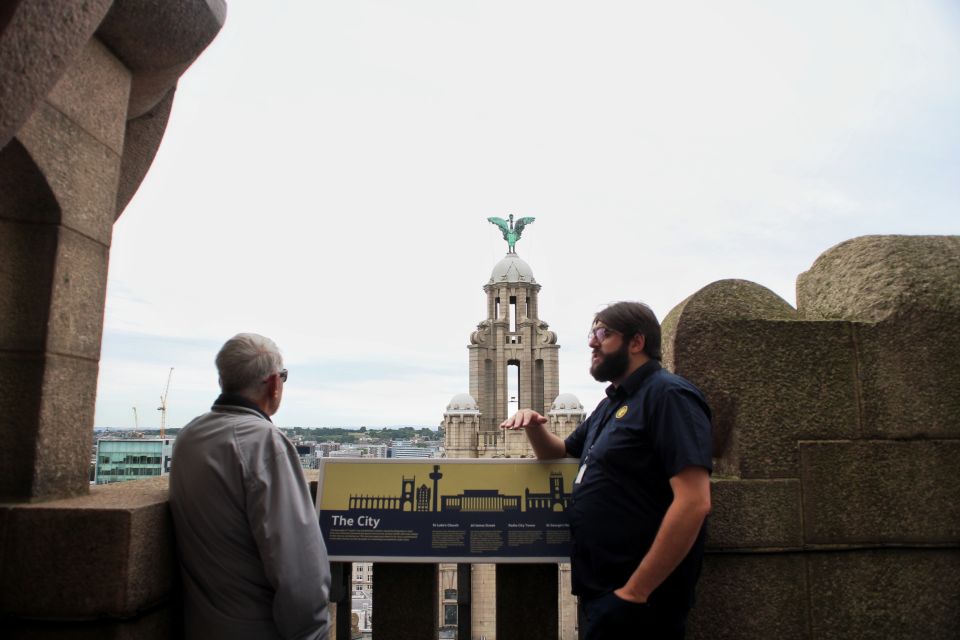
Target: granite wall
[
  {"x": 836, "y": 492},
  {"x": 86, "y": 89}
]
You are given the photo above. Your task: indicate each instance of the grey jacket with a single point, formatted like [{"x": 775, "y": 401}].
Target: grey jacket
[{"x": 253, "y": 561}]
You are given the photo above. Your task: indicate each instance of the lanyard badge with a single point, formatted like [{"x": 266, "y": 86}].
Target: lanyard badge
[{"x": 583, "y": 470}]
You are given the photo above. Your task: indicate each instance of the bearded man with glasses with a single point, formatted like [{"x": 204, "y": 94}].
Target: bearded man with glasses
[
  {"x": 252, "y": 559},
  {"x": 642, "y": 493}
]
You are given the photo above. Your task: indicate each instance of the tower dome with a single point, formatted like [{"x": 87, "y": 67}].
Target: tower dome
[
  {"x": 462, "y": 403},
  {"x": 511, "y": 270},
  {"x": 566, "y": 403}
]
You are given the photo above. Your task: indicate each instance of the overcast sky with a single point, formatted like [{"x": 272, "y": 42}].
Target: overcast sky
[{"x": 328, "y": 169}]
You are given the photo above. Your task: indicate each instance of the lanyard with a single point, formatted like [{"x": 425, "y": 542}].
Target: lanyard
[{"x": 600, "y": 427}]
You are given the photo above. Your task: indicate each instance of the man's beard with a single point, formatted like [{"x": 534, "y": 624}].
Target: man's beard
[{"x": 612, "y": 366}]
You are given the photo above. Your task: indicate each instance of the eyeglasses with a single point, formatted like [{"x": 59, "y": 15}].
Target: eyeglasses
[
  {"x": 600, "y": 333},
  {"x": 282, "y": 374}
]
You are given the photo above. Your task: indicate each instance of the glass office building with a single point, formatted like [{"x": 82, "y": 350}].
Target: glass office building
[{"x": 120, "y": 459}]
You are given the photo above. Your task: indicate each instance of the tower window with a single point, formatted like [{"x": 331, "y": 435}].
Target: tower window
[
  {"x": 513, "y": 387},
  {"x": 513, "y": 313},
  {"x": 538, "y": 385}
]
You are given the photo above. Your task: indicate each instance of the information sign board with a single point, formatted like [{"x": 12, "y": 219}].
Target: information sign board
[{"x": 445, "y": 510}]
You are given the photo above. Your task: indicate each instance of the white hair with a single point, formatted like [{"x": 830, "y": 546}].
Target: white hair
[{"x": 245, "y": 361}]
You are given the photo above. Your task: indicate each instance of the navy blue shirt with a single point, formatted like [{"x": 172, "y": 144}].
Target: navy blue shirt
[{"x": 647, "y": 430}]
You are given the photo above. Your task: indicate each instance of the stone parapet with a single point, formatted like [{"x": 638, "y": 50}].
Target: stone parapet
[
  {"x": 903, "y": 295},
  {"x": 106, "y": 555},
  {"x": 771, "y": 379},
  {"x": 837, "y": 436},
  {"x": 864, "y": 594}
]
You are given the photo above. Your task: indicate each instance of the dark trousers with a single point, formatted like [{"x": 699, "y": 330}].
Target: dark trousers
[{"x": 609, "y": 617}]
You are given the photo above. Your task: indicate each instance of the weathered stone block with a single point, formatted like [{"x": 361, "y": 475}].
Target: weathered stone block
[
  {"x": 158, "y": 41},
  {"x": 24, "y": 192},
  {"x": 47, "y": 425},
  {"x": 38, "y": 43},
  {"x": 93, "y": 92},
  {"x": 27, "y": 254},
  {"x": 82, "y": 171},
  {"x": 751, "y": 597},
  {"x": 66, "y": 427},
  {"x": 118, "y": 538},
  {"x": 773, "y": 379},
  {"x": 910, "y": 375},
  {"x": 21, "y": 384},
  {"x": 752, "y": 514},
  {"x": 78, "y": 296},
  {"x": 797, "y": 382},
  {"x": 885, "y": 593},
  {"x": 876, "y": 492}
]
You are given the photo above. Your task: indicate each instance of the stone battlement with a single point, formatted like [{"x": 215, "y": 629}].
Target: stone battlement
[{"x": 838, "y": 432}]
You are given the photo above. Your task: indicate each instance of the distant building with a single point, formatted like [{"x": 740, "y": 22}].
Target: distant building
[
  {"x": 121, "y": 459},
  {"x": 361, "y": 612},
  {"x": 513, "y": 365},
  {"x": 324, "y": 448},
  {"x": 405, "y": 449},
  {"x": 448, "y": 614},
  {"x": 307, "y": 452},
  {"x": 363, "y": 578},
  {"x": 345, "y": 453},
  {"x": 375, "y": 450},
  {"x": 359, "y": 451}
]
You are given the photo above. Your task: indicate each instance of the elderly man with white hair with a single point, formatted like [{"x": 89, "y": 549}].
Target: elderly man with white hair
[{"x": 253, "y": 561}]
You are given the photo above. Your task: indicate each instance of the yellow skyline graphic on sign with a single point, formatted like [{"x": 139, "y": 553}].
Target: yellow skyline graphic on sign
[{"x": 342, "y": 478}]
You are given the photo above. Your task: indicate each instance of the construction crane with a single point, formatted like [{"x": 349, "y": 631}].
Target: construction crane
[{"x": 163, "y": 405}]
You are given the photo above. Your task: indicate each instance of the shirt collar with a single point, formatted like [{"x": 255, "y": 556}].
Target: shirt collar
[
  {"x": 634, "y": 381},
  {"x": 234, "y": 400}
]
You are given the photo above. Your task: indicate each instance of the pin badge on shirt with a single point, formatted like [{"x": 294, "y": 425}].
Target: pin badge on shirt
[{"x": 622, "y": 411}]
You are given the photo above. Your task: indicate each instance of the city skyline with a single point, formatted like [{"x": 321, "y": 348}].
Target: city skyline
[{"x": 327, "y": 173}]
